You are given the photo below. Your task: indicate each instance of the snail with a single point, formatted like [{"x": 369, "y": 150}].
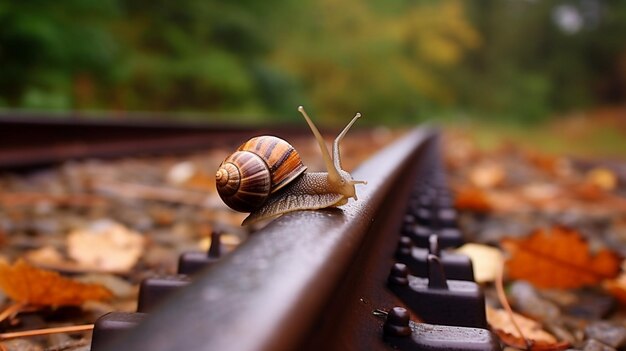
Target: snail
[{"x": 266, "y": 177}]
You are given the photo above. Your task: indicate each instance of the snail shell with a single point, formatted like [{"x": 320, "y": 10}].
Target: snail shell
[
  {"x": 266, "y": 177},
  {"x": 259, "y": 167}
]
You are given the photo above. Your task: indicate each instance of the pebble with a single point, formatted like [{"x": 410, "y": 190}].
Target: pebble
[
  {"x": 609, "y": 333},
  {"x": 169, "y": 228},
  {"x": 595, "y": 345},
  {"x": 591, "y": 306},
  {"x": 21, "y": 345},
  {"x": 527, "y": 301},
  {"x": 46, "y": 226}
]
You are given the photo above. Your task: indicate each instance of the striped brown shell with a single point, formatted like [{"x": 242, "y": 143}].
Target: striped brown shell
[
  {"x": 283, "y": 160},
  {"x": 243, "y": 181},
  {"x": 259, "y": 167}
]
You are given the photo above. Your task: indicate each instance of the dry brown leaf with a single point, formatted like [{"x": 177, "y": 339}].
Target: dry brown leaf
[
  {"x": 540, "y": 193},
  {"x": 589, "y": 192},
  {"x": 29, "y": 285},
  {"x": 487, "y": 175},
  {"x": 106, "y": 246},
  {"x": 50, "y": 258},
  {"x": 44, "y": 256},
  {"x": 519, "y": 343},
  {"x": 500, "y": 322},
  {"x": 558, "y": 258},
  {"x": 472, "y": 199}
]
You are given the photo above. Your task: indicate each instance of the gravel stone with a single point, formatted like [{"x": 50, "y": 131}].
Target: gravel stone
[
  {"x": 595, "y": 345},
  {"x": 609, "y": 333}
]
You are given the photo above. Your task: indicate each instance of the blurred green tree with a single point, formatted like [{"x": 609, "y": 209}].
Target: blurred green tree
[
  {"x": 51, "y": 52},
  {"x": 398, "y": 60},
  {"x": 541, "y": 57},
  {"x": 388, "y": 60}
]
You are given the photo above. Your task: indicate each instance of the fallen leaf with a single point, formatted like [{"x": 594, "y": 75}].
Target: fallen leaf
[
  {"x": 44, "y": 256},
  {"x": 617, "y": 287},
  {"x": 472, "y": 199},
  {"x": 544, "y": 162},
  {"x": 30, "y": 285},
  {"x": 558, "y": 258},
  {"x": 501, "y": 324},
  {"x": 541, "y": 192},
  {"x": 487, "y": 175},
  {"x": 603, "y": 178},
  {"x": 486, "y": 261},
  {"x": 589, "y": 192},
  {"x": 50, "y": 258},
  {"x": 106, "y": 246},
  {"x": 508, "y": 201}
]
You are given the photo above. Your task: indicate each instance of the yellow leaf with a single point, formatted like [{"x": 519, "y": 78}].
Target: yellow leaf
[
  {"x": 30, "y": 285},
  {"x": 486, "y": 261},
  {"x": 603, "y": 178}
]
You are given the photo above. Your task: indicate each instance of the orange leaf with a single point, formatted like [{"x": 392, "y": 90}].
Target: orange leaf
[
  {"x": 472, "y": 199},
  {"x": 558, "y": 258},
  {"x": 617, "y": 288},
  {"x": 544, "y": 162},
  {"x": 30, "y": 285}
]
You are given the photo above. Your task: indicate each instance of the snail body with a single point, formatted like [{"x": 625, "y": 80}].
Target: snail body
[
  {"x": 259, "y": 167},
  {"x": 266, "y": 177}
]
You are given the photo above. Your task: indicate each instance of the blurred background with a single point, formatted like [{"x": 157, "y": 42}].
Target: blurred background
[{"x": 397, "y": 61}]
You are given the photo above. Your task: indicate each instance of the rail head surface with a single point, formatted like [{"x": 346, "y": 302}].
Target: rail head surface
[
  {"x": 31, "y": 140},
  {"x": 268, "y": 293}
]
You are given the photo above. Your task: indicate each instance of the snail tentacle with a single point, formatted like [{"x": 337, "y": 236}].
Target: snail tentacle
[
  {"x": 337, "y": 156},
  {"x": 339, "y": 138},
  {"x": 333, "y": 173}
]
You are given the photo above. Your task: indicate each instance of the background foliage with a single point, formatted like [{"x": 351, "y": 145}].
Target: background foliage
[{"x": 396, "y": 60}]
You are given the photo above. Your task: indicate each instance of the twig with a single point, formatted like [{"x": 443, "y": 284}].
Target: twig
[
  {"x": 505, "y": 303},
  {"x": 37, "y": 332},
  {"x": 11, "y": 310}
]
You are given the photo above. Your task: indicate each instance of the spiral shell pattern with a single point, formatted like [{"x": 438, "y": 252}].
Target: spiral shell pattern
[
  {"x": 283, "y": 160},
  {"x": 243, "y": 181}
]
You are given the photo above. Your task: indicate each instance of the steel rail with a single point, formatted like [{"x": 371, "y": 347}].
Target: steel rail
[
  {"x": 274, "y": 292},
  {"x": 43, "y": 140}
]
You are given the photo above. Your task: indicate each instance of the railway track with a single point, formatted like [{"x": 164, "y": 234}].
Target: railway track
[
  {"x": 38, "y": 140},
  {"x": 372, "y": 275}
]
